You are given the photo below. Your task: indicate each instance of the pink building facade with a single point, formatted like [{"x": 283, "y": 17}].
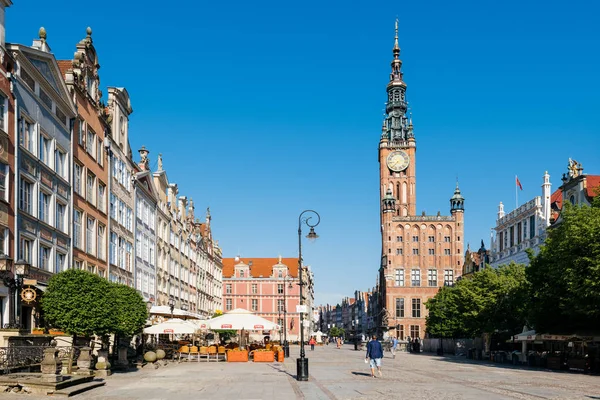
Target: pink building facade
[{"x": 267, "y": 287}]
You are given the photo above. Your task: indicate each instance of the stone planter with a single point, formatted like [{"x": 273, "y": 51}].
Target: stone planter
[
  {"x": 280, "y": 357},
  {"x": 264, "y": 356},
  {"x": 51, "y": 366},
  {"x": 103, "y": 366},
  {"x": 84, "y": 362},
  {"x": 237, "y": 356}
]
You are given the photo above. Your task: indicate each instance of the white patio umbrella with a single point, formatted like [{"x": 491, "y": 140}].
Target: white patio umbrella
[
  {"x": 174, "y": 326},
  {"x": 239, "y": 319}
]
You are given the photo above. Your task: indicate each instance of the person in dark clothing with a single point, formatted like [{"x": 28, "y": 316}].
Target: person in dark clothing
[{"x": 374, "y": 355}]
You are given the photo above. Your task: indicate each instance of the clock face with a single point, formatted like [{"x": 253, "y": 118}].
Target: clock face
[{"x": 398, "y": 161}]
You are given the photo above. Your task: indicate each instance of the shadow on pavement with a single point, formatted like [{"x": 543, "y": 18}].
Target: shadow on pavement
[
  {"x": 360, "y": 373},
  {"x": 283, "y": 370}
]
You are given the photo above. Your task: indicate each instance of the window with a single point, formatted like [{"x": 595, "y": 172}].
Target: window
[
  {"x": 3, "y": 109},
  {"x": 4, "y": 240},
  {"x": 280, "y": 305},
  {"x": 60, "y": 262},
  {"x": 26, "y": 189},
  {"x": 138, "y": 245},
  {"x": 414, "y": 331},
  {"x": 27, "y": 135},
  {"x": 90, "y": 235},
  {"x": 398, "y": 252},
  {"x": 399, "y": 281},
  {"x": 78, "y": 264},
  {"x": 431, "y": 239},
  {"x": 448, "y": 277},
  {"x": 432, "y": 277},
  {"x": 228, "y": 304},
  {"x": 228, "y": 288},
  {"x": 399, "y": 308},
  {"x": 416, "y": 308},
  {"x": 44, "y": 212},
  {"x": 81, "y": 132},
  {"x": 101, "y": 197},
  {"x": 241, "y": 273},
  {"x": 112, "y": 256},
  {"x": 519, "y": 233},
  {"x": 146, "y": 249},
  {"x": 431, "y": 252},
  {"x": 447, "y": 239},
  {"x": 77, "y": 221},
  {"x": 400, "y": 333},
  {"x": 91, "y": 189},
  {"x": 47, "y": 100},
  {"x": 4, "y": 181},
  {"x": 60, "y": 163},
  {"x": 129, "y": 220},
  {"x": 280, "y": 288},
  {"x": 101, "y": 232},
  {"x": 45, "y": 149},
  {"x": 91, "y": 142},
  {"x": 446, "y": 252},
  {"x": 415, "y": 277},
  {"x": 532, "y": 226},
  {"x": 78, "y": 169},
  {"x": 44, "y": 258},
  {"x": 415, "y": 252},
  {"x": 25, "y": 248},
  {"x": 254, "y": 288},
  {"x": 99, "y": 153},
  {"x": 254, "y": 304},
  {"x": 415, "y": 238},
  {"x": 60, "y": 115},
  {"x": 512, "y": 236},
  {"x": 113, "y": 207},
  {"x": 398, "y": 238},
  {"x": 27, "y": 78}
]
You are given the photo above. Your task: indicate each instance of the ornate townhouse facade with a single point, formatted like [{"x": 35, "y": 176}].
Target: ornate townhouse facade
[
  {"x": 420, "y": 253},
  {"x": 45, "y": 113},
  {"x": 90, "y": 164},
  {"x": 120, "y": 186},
  {"x": 267, "y": 287},
  {"x": 7, "y": 168}
]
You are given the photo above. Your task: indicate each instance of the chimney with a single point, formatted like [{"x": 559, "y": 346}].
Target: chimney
[{"x": 182, "y": 205}]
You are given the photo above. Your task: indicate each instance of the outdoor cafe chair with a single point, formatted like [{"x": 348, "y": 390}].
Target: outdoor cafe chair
[
  {"x": 184, "y": 351},
  {"x": 203, "y": 353},
  {"x": 194, "y": 352},
  {"x": 221, "y": 352},
  {"x": 212, "y": 351}
]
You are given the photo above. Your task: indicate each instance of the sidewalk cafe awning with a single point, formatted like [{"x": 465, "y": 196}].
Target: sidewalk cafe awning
[
  {"x": 174, "y": 326},
  {"x": 239, "y": 319},
  {"x": 530, "y": 336}
]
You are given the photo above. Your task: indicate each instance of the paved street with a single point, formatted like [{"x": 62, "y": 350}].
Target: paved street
[{"x": 342, "y": 374}]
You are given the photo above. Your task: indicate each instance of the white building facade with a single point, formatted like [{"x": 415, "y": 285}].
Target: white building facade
[{"x": 521, "y": 229}]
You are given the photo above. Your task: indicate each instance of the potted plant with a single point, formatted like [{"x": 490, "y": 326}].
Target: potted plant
[
  {"x": 237, "y": 355},
  {"x": 264, "y": 355},
  {"x": 37, "y": 331}
]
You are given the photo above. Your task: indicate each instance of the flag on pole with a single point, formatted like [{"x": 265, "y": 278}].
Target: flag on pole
[{"x": 519, "y": 183}]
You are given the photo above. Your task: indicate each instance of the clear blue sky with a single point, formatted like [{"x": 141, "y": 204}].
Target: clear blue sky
[{"x": 264, "y": 109}]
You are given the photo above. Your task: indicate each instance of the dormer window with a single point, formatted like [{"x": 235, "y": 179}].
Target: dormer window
[
  {"x": 572, "y": 200},
  {"x": 280, "y": 274},
  {"x": 241, "y": 273}
]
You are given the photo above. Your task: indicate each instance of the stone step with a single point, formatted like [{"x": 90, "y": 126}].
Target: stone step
[{"x": 77, "y": 389}]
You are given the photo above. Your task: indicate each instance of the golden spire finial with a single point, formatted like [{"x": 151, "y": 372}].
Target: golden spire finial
[{"x": 396, "y": 46}]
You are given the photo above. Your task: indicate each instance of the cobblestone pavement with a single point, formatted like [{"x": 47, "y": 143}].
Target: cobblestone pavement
[{"x": 342, "y": 374}]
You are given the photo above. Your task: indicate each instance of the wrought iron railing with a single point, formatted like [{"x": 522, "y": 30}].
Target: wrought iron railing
[{"x": 15, "y": 357}]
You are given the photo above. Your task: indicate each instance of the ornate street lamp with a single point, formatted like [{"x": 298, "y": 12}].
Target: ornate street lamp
[
  {"x": 302, "y": 362},
  {"x": 286, "y": 345},
  {"x": 171, "y": 305},
  {"x": 22, "y": 269}
]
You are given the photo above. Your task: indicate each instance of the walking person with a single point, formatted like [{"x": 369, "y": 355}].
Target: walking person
[
  {"x": 394, "y": 346},
  {"x": 312, "y": 343},
  {"x": 374, "y": 355}
]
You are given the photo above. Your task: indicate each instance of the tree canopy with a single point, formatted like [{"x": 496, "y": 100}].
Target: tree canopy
[
  {"x": 79, "y": 303},
  {"x": 565, "y": 275},
  {"x": 492, "y": 300},
  {"x": 130, "y": 310},
  {"x": 82, "y": 303}
]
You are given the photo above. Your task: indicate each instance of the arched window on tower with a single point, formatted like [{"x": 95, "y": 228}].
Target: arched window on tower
[
  {"x": 398, "y": 191},
  {"x": 403, "y": 192}
]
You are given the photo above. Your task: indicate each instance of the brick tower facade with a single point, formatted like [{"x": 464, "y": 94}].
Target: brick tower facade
[{"x": 420, "y": 253}]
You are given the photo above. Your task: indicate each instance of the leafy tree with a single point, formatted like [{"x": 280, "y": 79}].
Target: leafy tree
[
  {"x": 565, "y": 275},
  {"x": 79, "y": 303},
  {"x": 336, "y": 332},
  {"x": 129, "y": 310},
  {"x": 492, "y": 300}
]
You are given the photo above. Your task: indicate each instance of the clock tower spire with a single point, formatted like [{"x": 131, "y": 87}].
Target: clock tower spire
[{"x": 397, "y": 147}]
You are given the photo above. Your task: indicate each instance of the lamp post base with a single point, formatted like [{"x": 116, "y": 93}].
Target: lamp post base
[
  {"x": 301, "y": 369},
  {"x": 286, "y": 349}
]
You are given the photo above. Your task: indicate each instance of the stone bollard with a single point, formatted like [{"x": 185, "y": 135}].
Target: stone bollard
[
  {"x": 84, "y": 362},
  {"x": 123, "y": 362},
  {"x": 103, "y": 366},
  {"x": 51, "y": 366}
]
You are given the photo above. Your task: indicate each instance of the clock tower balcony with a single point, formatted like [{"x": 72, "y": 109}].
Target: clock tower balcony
[{"x": 396, "y": 104}]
